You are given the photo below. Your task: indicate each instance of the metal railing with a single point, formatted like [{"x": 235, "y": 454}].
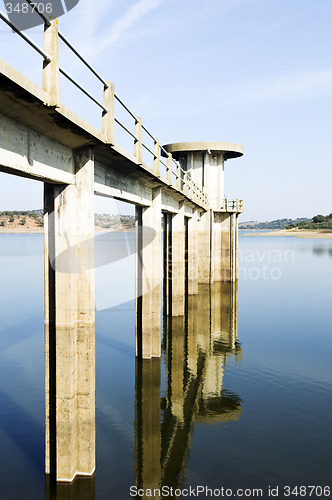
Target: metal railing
[
  {"x": 232, "y": 205},
  {"x": 175, "y": 175}
]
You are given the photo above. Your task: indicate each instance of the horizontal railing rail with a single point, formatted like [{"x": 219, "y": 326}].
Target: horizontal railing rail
[{"x": 25, "y": 37}]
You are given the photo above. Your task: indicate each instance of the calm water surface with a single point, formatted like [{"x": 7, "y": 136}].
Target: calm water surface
[{"x": 241, "y": 398}]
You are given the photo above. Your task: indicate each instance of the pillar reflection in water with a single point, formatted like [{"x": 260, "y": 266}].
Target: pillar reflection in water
[
  {"x": 196, "y": 347},
  {"x": 82, "y": 488}
]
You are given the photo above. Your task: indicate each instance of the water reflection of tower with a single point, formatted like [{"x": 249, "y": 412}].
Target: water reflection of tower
[{"x": 197, "y": 348}]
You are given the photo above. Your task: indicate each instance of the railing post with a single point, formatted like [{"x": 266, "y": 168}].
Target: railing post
[
  {"x": 185, "y": 185},
  {"x": 156, "y": 161},
  {"x": 138, "y": 141},
  {"x": 226, "y": 204},
  {"x": 178, "y": 177},
  {"x": 51, "y": 75},
  {"x": 107, "y": 121},
  {"x": 169, "y": 169}
]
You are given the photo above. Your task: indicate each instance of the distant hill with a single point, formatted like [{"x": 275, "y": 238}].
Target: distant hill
[
  {"x": 273, "y": 224},
  {"x": 317, "y": 222}
]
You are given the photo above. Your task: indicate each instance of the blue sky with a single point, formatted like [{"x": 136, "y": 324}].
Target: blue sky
[{"x": 253, "y": 72}]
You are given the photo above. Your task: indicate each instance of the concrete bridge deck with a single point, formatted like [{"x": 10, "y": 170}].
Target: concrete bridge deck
[{"x": 31, "y": 128}]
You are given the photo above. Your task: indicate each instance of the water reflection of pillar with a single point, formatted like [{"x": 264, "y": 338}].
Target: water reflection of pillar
[
  {"x": 196, "y": 349},
  {"x": 216, "y": 404},
  {"x": 83, "y": 488},
  {"x": 147, "y": 424},
  {"x": 174, "y": 361},
  {"x": 148, "y": 279},
  {"x": 193, "y": 328},
  {"x": 70, "y": 324}
]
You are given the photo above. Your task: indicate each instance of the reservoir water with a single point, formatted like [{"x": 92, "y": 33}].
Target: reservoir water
[{"x": 241, "y": 399}]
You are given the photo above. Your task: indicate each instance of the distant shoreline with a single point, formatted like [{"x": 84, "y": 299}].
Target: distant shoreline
[
  {"x": 37, "y": 230},
  {"x": 298, "y": 233}
]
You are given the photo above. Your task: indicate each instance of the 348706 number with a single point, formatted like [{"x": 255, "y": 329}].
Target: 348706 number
[
  {"x": 26, "y": 8},
  {"x": 310, "y": 491}
]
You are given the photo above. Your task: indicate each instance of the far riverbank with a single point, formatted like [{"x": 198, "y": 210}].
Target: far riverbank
[{"x": 298, "y": 233}]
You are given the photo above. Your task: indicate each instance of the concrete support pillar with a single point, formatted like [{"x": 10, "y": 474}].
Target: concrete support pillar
[
  {"x": 193, "y": 254},
  {"x": 167, "y": 264},
  {"x": 204, "y": 247},
  {"x": 147, "y": 424},
  {"x": 70, "y": 323},
  {"x": 149, "y": 278},
  {"x": 235, "y": 243},
  {"x": 225, "y": 247},
  {"x": 178, "y": 262}
]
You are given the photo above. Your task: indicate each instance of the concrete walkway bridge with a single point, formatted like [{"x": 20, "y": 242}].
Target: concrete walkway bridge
[{"x": 178, "y": 192}]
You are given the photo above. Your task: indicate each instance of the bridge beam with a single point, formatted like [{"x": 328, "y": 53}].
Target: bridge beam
[{"x": 70, "y": 323}]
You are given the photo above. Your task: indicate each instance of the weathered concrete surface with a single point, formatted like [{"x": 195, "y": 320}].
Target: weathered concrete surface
[
  {"x": 222, "y": 250},
  {"x": 24, "y": 151},
  {"x": 149, "y": 279},
  {"x": 217, "y": 227},
  {"x": 51, "y": 77},
  {"x": 229, "y": 149},
  {"x": 70, "y": 324},
  {"x": 178, "y": 263},
  {"x": 193, "y": 254},
  {"x": 204, "y": 247}
]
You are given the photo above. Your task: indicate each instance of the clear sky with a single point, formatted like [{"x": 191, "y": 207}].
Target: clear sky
[{"x": 253, "y": 72}]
